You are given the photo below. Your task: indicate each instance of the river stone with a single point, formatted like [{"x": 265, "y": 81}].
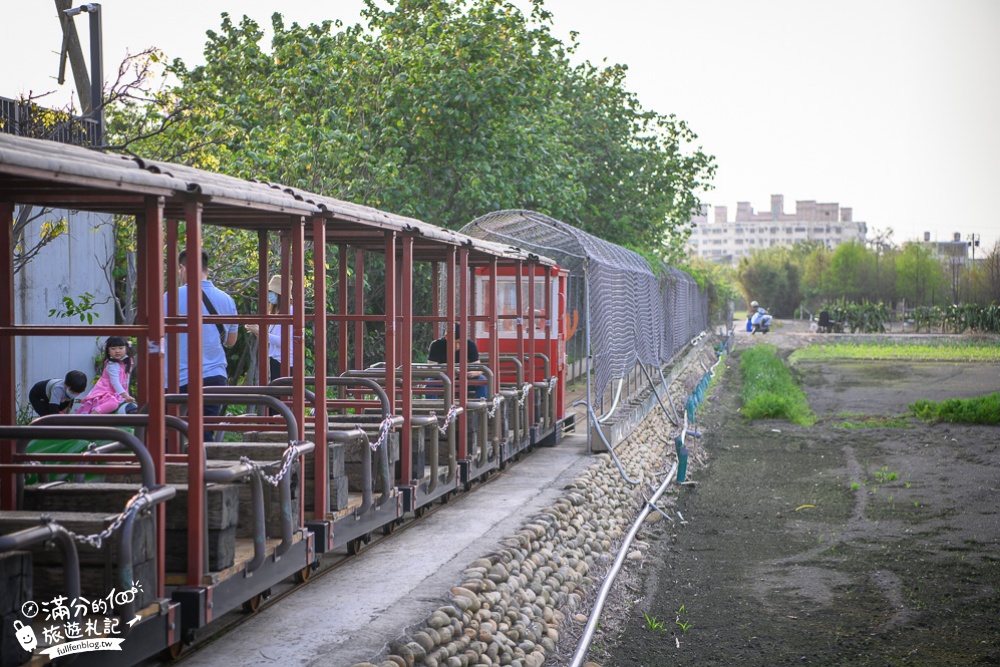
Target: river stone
[
  {"x": 425, "y": 640},
  {"x": 403, "y": 651}
]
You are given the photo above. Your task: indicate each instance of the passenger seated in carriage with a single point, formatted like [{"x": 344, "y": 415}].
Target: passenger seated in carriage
[{"x": 438, "y": 354}]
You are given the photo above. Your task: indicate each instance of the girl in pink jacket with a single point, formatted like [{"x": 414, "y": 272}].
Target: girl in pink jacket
[{"x": 111, "y": 391}]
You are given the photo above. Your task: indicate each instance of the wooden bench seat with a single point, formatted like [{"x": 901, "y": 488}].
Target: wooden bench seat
[
  {"x": 100, "y": 568},
  {"x": 222, "y": 514}
]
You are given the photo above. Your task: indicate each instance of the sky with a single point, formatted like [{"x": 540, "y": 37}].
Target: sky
[{"x": 889, "y": 107}]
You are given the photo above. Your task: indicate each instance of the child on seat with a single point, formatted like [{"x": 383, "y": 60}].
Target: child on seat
[{"x": 111, "y": 391}]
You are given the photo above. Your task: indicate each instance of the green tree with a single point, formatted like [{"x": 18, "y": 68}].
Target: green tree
[
  {"x": 771, "y": 276},
  {"x": 815, "y": 276},
  {"x": 981, "y": 283},
  {"x": 851, "y": 272},
  {"x": 920, "y": 279},
  {"x": 442, "y": 110},
  {"x": 436, "y": 109}
]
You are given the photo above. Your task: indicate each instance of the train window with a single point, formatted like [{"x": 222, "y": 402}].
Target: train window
[{"x": 507, "y": 304}]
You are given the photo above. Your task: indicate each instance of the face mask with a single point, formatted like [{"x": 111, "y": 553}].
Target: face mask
[
  {"x": 272, "y": 298},
  {"x": 73, "y": 394}
]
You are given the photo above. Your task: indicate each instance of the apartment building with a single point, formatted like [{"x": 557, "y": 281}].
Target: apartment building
[{"x": 723, "y": 240}]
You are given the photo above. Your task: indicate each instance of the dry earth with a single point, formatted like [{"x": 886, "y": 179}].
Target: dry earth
[{"x": 824, "y": 545}]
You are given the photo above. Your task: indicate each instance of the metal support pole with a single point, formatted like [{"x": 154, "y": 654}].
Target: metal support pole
[
  {"x": 149, "y": 229},
  {"x": 97, "y": 70},
  {"x": 529, "y": 361},
  {"x": 295, "y": 287},
  {"x": 586, "y": 331},
  {"x": 463, "y": 381},
  {"x": 359, "y": 311},
  {"x": 406, "y": 360},
  {"x": 390, "y": 339},
  {"x": 263, "y": 363},
  {"x": 321, "y": 482},
  {"x": 197, "y": 544},
  {"x": 343, "y": 329},
  {"x": 8, "y": 379}
]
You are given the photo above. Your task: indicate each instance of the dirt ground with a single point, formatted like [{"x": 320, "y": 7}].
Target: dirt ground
[{"x": 824, "y": 545}]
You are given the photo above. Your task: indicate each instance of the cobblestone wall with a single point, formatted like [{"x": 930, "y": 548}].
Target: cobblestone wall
[{"x": 512, "y": 604}]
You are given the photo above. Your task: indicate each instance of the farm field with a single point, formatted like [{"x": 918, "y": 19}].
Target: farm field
[{"x": 870, "y": 538}]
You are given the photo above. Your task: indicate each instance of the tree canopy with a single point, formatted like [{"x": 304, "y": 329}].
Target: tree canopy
[{"x": 438, "y": 109}]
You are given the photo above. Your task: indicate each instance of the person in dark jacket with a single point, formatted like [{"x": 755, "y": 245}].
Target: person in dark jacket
[
  {"x": 49, "y": 397},
  {"x": 438, "y": 354}
]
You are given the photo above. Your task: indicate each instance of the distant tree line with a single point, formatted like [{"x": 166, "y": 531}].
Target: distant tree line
[{"x": 812, "y": 276}]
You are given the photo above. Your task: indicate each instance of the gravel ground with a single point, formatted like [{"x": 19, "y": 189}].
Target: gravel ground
[{"x": 824, "y": 545}]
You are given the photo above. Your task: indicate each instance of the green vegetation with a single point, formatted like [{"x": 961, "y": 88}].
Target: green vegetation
[
  {"x": 769, "y": 390},
  {"x": 856, "y": 420},
  {"x": 683, "y": 625},
  {"x": 908, "y": 275},
  {"x": 865, "y": 317},
  {"x": 438, "y": 109},
  {"x": 977, "y": 410},
  {"x": 654, "y": 625},
  {"x": 902, "y": 349},
  {"x": 884, "y": 475}
]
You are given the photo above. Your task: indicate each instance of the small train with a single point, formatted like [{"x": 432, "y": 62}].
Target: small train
[{"x": 168, "y": 530}]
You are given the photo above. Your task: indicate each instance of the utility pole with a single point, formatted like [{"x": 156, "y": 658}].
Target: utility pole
[
  {"x": 93, "y": 104},
  {"x": 72, "y": 49}
]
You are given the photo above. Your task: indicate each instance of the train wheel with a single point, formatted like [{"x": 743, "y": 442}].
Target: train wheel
[
  {"x": 389, "y": 528},
  {"x": 420, "y": 511},
  {"x": 357, "y": 545},
  {"x": 253, "y": 604},
  {"x": 304, "y": 575},
  {"x": 173, "y": 652}
]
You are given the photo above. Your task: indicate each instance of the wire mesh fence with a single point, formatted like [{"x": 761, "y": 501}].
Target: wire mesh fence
[{"x": 629, "y": 314}]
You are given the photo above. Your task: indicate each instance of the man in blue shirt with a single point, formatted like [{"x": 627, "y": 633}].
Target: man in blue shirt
[{"x": 214, "y": 337}]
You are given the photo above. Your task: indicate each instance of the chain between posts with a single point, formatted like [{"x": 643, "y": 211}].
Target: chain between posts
[
  {"x": 524, "y": 395},
  {"x": 453, "y": 412},
  {"x": 383, "y": 432},
  {"x": 497, "y": 400},
  {"x": 287, "y": 458},
  {"x": 98, "y": 538}
]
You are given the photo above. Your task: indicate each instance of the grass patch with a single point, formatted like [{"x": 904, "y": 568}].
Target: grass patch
[
  {"x": 895, "y": 349},
  {"x": 977, "y": 410},
  {"x": 769, "y": 390},
  {"x": 858, "y": 420}
]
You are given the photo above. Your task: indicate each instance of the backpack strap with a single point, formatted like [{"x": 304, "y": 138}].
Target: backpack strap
[{"x": 213, "y": 311}]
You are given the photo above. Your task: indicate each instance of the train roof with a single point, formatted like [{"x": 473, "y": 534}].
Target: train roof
[{"x": 55, "y": 175}]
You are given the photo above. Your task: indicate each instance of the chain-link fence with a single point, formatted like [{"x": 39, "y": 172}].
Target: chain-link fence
[{"x": 629, "y": 314}]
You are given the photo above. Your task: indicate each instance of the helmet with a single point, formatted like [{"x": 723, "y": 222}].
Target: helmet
[{"x": 754, "y": 304}]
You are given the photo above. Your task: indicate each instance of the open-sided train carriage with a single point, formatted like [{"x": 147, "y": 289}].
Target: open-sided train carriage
[{"x": 323, "y": 460}]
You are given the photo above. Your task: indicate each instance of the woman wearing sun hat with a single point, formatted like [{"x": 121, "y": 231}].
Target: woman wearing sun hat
[{"x": 274, "y": 296}]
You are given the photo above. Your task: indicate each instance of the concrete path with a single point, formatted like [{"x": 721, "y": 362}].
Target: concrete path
[{"x": 350, "y": 614}]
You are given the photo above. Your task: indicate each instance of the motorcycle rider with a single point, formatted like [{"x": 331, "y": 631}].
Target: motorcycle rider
[{"x": 759, "y": 318}]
